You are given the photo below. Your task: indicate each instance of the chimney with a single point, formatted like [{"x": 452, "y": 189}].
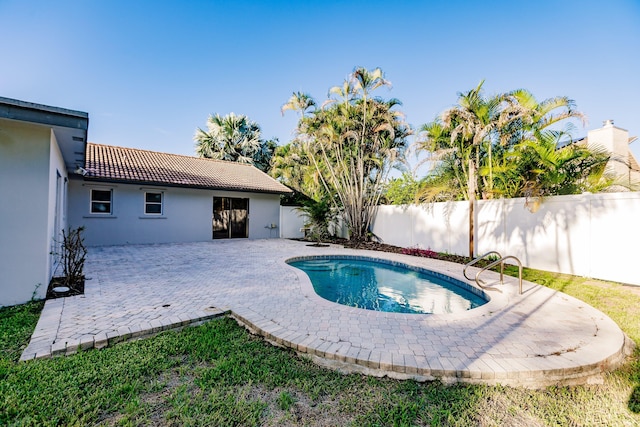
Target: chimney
[{"x": 616, "y": 142}]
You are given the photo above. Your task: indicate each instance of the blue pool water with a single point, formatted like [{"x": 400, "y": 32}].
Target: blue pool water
[{"x": 385, "y": 286}]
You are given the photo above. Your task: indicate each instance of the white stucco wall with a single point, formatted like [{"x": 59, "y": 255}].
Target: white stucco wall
[
  {"x": 264, "y": 210},
  {"x": 57, "y": 207},
  {"x": 592, "y": 235},
  {"x": 186, "y": 214},
  {"x": 29, "y": 157}
]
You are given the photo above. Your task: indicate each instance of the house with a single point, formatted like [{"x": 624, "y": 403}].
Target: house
[
  {"x": 615, "y": 141},
  {"x": 39, "y": 145},
  {"x": 132, "y": 196},
  {"x": 51, "y": 178}
]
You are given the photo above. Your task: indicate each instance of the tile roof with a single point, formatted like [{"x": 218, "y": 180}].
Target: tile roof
[{"x": 119, "y": 164}]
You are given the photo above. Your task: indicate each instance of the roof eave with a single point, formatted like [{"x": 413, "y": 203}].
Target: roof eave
[
  {"x": 177, "y": 185},
  {"x": 69, "y": 126}
]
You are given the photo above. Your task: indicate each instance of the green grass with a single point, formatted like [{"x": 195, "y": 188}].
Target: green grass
[{"x": 218, "y": 374}]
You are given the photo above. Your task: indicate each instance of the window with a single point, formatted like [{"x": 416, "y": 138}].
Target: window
[
  {"x": 101, "y": 201},
  {"x": 153, "y": 203}
]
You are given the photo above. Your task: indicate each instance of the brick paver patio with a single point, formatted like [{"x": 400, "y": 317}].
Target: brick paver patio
[{"x": 540, "y": 338}]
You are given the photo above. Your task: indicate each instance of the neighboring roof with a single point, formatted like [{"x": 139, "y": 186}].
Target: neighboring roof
[
  {"x": 631, "y": 161},
  {"x": 70, "y": 126},
  {"x": 131, "y": 165}
]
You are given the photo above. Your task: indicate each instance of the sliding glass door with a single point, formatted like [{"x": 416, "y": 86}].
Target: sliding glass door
[{"x": 230, "y": 218}]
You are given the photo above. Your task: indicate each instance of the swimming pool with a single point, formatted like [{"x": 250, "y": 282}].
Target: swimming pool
[{"x": 381, "y": 285}]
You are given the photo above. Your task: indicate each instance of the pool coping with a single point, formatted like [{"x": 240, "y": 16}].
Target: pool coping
[{"x": 579, "y": 367}]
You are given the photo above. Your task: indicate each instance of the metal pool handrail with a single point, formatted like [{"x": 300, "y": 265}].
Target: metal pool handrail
[
  {"x": 470, "y": 263},
  {"x": 501, "y": 262}
]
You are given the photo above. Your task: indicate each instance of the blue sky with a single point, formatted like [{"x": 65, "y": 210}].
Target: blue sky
[{"x": 150, "y": 72}]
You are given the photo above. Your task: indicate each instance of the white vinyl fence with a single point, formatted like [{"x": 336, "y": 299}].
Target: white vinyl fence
[
  {"x": 591, "y": 235},
  {"x": 291, "y": 223}
]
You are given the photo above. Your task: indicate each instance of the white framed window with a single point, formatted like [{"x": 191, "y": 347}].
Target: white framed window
[
  {"x": 153, "y": 202},
  {"x": 101, "y": 201}
]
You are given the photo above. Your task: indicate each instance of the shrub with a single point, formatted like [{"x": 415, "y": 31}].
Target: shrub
[{"x": 425, "y": 253}]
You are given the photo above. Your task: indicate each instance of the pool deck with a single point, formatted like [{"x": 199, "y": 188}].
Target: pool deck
[{"x": 536, "y": 339}]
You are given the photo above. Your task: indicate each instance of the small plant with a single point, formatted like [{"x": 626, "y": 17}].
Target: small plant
[
  {"x": 425, "y": 253},
  {"x": 34, "y": 294},
  {"x": 74, "y": 253},
  {"x": 319, "y": 216},
  {"x": 285, "y": 401},
  {"x": 72, "y": 257}
]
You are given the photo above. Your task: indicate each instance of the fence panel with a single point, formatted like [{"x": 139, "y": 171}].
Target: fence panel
[{"x": 592, "y": 235}]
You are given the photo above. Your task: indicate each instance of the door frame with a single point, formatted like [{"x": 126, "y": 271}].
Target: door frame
[{"x": 227, "y": 203}]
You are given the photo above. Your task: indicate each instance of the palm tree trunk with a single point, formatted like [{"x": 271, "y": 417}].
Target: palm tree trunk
[{"x": 472, "y": 199}]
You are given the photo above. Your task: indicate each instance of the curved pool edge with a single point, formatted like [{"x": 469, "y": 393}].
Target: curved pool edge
[
  {"x": 497, "y": 297},
  {"x": 578, "y": 369},
  {"x": 452, "y": 282},
  {"x": 584, "y": 365}
]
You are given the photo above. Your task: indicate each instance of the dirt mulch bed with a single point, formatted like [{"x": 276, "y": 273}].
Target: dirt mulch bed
[
  {"x": 57, "y": 283},
  {"x": 383, "y": 247}
]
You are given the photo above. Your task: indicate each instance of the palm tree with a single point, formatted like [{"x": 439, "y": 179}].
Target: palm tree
[
  {"x": 291, "y": 166},
  {"x": 234, "y": 138},
  {"x": 549, "y": 170},
  {"x": 319, "y": 217},
  {"x": 299, "y": 102},
  {"x": 352, "y": 142},
  {"x": 263, "y": 158},
  {"x": 470, "y": 126},
  {"x": 448, "y": 180},
  {"x": 485, "y": 147},
  {"x": 531, "y": 138},
  {"x": 360, "y": 139},
  {"x": 531, "y": 116}
]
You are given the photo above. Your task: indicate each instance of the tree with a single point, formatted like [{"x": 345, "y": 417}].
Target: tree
[
  {"x": 548, "y": 170},
  {"x": 462, "y": 132},
  {"x": 235, "y": 138},
  {"x": 262, "y": 159},
  {"x": 497, "y": 146},
  {"x": 292, "y": 166},
  {"x": 542, "y": 160},
  {"x": 352, "y": 143},
  {"x": 299, "y": 102},
  {"x": 403, "y": 190}
]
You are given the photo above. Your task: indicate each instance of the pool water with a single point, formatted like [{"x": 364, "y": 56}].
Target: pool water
[{"x": 383, "y": 286}]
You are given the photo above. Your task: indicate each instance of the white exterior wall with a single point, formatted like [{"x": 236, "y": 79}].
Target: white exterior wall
[
  {"x": 186, "y": 217},
  {"x": 29, "y": 158},
  {"x": 591, "y": 235},
  {"x": 264, "y": 211},
  {"x": 57, "y": 204}
]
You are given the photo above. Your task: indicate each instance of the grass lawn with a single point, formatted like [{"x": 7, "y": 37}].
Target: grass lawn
[{"x": 218, "y": 374}]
